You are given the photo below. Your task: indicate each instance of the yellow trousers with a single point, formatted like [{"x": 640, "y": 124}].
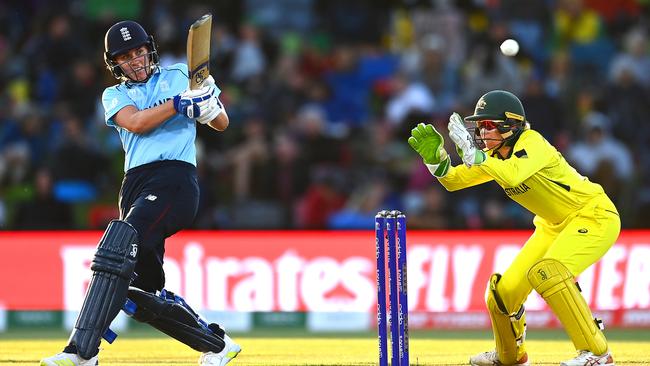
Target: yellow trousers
[{"x": 577, "y": 242}]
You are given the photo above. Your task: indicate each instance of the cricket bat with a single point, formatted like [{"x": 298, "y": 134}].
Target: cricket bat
[{"x": 198, "y": 50}]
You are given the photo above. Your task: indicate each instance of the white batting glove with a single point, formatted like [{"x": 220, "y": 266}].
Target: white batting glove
[
  {"x": 209, "y": 81},
  {"x": 210, "y": 109},
  {"x": 464, "y": 141}
]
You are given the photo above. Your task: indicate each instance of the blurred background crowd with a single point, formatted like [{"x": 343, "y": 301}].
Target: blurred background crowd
[{"x": 322, "y": 95}]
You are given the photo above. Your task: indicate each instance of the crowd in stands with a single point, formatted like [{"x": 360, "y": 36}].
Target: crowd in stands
[{"x": 322, "y": 95}]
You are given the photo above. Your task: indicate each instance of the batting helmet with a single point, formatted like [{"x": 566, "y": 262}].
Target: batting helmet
[{"x": 122, "y": 37}]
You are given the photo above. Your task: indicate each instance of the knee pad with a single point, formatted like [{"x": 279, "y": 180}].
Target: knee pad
[
  {"x": 509, "y": 327},
  {"x": 112, "y": 267},
  {"x": 556, "y": 284},
  {"x": 170, "y": 314}
]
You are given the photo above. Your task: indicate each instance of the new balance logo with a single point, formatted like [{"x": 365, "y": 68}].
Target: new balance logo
[{"x": 126, "y": 35}]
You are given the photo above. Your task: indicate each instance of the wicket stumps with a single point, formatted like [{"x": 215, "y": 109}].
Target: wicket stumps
[{"x": 392, "y": 226}]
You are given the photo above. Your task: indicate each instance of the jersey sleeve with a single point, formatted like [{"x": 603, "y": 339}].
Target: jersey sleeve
[
  {"x": 113, "y": 101},
  {"x": 459, "y": 177},
  {"x": 531, "y": 153},
  {"x": 182, "y": 68}
]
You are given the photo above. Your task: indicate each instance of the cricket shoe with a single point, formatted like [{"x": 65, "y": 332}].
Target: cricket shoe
[
  {"x": 229, "y": 351},
  {"x": 69, "y": 359},
  {"x": 491, "y": 358},
  {"x": 586, "y": 358}
]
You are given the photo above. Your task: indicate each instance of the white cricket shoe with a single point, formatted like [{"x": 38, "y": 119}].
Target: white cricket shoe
[
  {"x": 69, "y": 359},
  {"x": 230, "y": 351},
  {"x": 586, "y": 358},
  {"x": 491, "y": 358}
]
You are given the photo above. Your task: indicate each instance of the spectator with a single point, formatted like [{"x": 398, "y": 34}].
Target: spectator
[
  {"x": 436, "y": 71},
  {"x": 561, "y": 83},
  {"x": 542, "y": 110},
  {"x": 80, "y": 90},
  {"x": 321, "y": 200},
  {"x": 488, "y": 69},
  {"x": 286, "y": 90},
  {"x": 248, "y": 160},
  {"x": 602, "y": 157},
  {"x": 318, "y": 147},
  {"x": 348, "y": 101},
  {"x": 361, "y": 207},
  {"x": 289, "y": 171},
  {"x": 78, "y": 167},
  {"x": 429, "y": 209},
  {"x": 527, "y": 25},
  {"x": 408, "y": 96},
  {"x": 24, "y": 144},
  {"x": 627, "y": 104},
  {"x": 634, "y": 58},
  {"x": 43, "y": 212},
  {"x": 580, "y": 30},
  {"x": 249, "y": 60}
]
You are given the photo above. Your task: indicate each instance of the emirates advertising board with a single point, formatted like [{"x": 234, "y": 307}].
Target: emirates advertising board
[{"x": 324, "y": 272}]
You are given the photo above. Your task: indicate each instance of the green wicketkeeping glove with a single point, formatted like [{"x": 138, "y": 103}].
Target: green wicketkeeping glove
[{"x": 429, "y": 143}]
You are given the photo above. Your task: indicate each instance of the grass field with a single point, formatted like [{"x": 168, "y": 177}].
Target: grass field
[{"x": 293, "y": 348}]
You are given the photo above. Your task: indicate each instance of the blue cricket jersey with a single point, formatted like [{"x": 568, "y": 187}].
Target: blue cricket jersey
[{"x": 172, "y": 139}]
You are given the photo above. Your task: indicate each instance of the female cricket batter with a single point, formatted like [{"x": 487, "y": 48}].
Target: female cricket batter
[
  {"x": 575, "y": 223},
  {"x": 154, "y": 113}
]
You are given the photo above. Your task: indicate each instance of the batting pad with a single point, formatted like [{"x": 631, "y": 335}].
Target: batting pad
[
  {"x": 170, "y": 314},
  {"x": 509, "y": 328},
  {"x": 113, "y": 267},
  {"x": 555, "y": 283}
]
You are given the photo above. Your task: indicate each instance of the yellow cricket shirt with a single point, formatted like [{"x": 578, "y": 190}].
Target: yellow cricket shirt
[{"x": 535, "y": 175}]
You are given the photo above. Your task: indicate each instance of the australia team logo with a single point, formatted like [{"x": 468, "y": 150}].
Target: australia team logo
[{"x": 481, "y": 103}]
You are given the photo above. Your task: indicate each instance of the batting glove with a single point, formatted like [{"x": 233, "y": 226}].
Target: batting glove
[
  {"x": 209, "y": 110},
  {"x": 464, "y": 141},
  {"x": 209, "y": 81},
  {"x": 429, "y": 143},
  {"x": 187, "y": 103}
]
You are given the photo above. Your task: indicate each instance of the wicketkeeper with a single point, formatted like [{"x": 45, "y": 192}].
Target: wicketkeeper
[
  {"x": 155, "y": 115},
  {"x": 575, "y": 223}
]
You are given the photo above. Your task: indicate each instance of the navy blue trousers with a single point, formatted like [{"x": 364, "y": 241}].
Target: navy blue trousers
[{"x": 158, "y": 199}]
